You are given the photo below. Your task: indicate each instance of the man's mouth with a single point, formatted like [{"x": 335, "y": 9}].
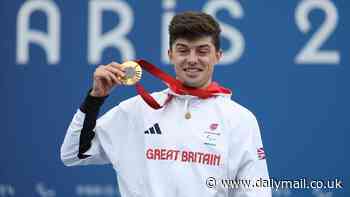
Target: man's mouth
[{"x": 192, "y": 70}]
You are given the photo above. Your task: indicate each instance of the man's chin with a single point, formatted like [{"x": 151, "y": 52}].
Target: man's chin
[{"x": 192, "y": 84}]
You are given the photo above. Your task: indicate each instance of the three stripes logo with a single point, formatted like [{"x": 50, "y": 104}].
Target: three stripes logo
[{"x": 154, "y": 130}]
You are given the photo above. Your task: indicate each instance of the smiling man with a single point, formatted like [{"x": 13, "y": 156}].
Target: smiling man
[
  {"x": 194, "y": 48},
  {"x": 194, "y": 61},
  {"x": 193, "y": 146}
]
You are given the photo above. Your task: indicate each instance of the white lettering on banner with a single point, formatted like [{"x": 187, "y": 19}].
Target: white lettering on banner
[
  {"x": 114, "y": 38},
  {"x": 311, "y": 53},
  {"x": 235, "y": 37},
  {"x": 169, "y": 6},
  {"x": 95, "y": 190},
  {"x": 50, "y": 42},
  {"x": 44, "y": 191},
  {"x": 7, "y": 190}
]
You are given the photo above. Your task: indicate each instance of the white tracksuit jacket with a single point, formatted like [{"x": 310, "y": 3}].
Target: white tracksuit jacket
[{"x": 160, "y": 153}]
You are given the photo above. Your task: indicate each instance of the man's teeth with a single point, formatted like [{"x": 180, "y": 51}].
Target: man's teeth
[{"x": 192, "y": 69}]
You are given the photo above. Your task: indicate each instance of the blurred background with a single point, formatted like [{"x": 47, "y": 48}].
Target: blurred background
[{"x": 286, "y": 61}]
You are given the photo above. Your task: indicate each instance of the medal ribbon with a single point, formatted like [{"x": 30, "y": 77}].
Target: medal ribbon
[{"x": 175, "y": 85}]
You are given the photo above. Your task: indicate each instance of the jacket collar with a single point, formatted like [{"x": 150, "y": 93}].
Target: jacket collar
[{"x": 214, "y": 89}]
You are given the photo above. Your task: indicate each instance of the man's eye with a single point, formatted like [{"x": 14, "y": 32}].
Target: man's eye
[{"x": 182, "y": 51}]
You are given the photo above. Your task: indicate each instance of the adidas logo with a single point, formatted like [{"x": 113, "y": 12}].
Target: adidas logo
[{"x": 154, "y": 130}]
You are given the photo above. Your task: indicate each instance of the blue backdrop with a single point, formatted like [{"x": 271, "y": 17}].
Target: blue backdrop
[{"x": 287, "y": 61}]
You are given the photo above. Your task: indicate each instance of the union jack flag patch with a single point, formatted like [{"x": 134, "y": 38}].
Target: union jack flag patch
[{"x": 261, "y": 153}]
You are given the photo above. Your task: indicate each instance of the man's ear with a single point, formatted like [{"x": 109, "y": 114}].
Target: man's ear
[
  {"x": 219, "y": 55},
  {"x": 170, "y": 55}
]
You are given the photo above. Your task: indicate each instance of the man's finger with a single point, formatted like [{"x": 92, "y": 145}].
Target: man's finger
[
  {"x": 105, "y": 75},
  {"x": 115, "y": 71},
  {"x": 114, "y": 78},
  {"x": 116, "y": 65}
]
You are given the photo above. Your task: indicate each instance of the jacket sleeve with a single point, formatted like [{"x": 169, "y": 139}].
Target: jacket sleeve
[
  {"x": 252, "y": 168},
  {"x": 81, "y": 146}
]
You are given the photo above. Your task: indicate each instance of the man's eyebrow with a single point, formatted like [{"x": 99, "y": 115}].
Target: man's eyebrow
[
  {"x": 180, "y": 45},
  {"x": 204, "y": 46}
]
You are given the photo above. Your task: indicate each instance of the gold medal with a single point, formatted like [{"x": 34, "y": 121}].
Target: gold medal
[{"x": 133, "y": 72}]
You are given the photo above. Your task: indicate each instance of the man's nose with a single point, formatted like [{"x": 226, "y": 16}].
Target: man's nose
[{"x": 192, "y": 57}]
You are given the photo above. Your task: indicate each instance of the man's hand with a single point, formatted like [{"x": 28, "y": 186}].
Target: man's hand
[{"x": 105, "y": 78}]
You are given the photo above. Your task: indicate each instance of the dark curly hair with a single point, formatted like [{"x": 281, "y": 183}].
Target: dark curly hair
[{"x": 192, "y": 25}]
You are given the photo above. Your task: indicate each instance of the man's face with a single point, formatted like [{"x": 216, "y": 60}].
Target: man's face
[{"x": 194, "y": 60}]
